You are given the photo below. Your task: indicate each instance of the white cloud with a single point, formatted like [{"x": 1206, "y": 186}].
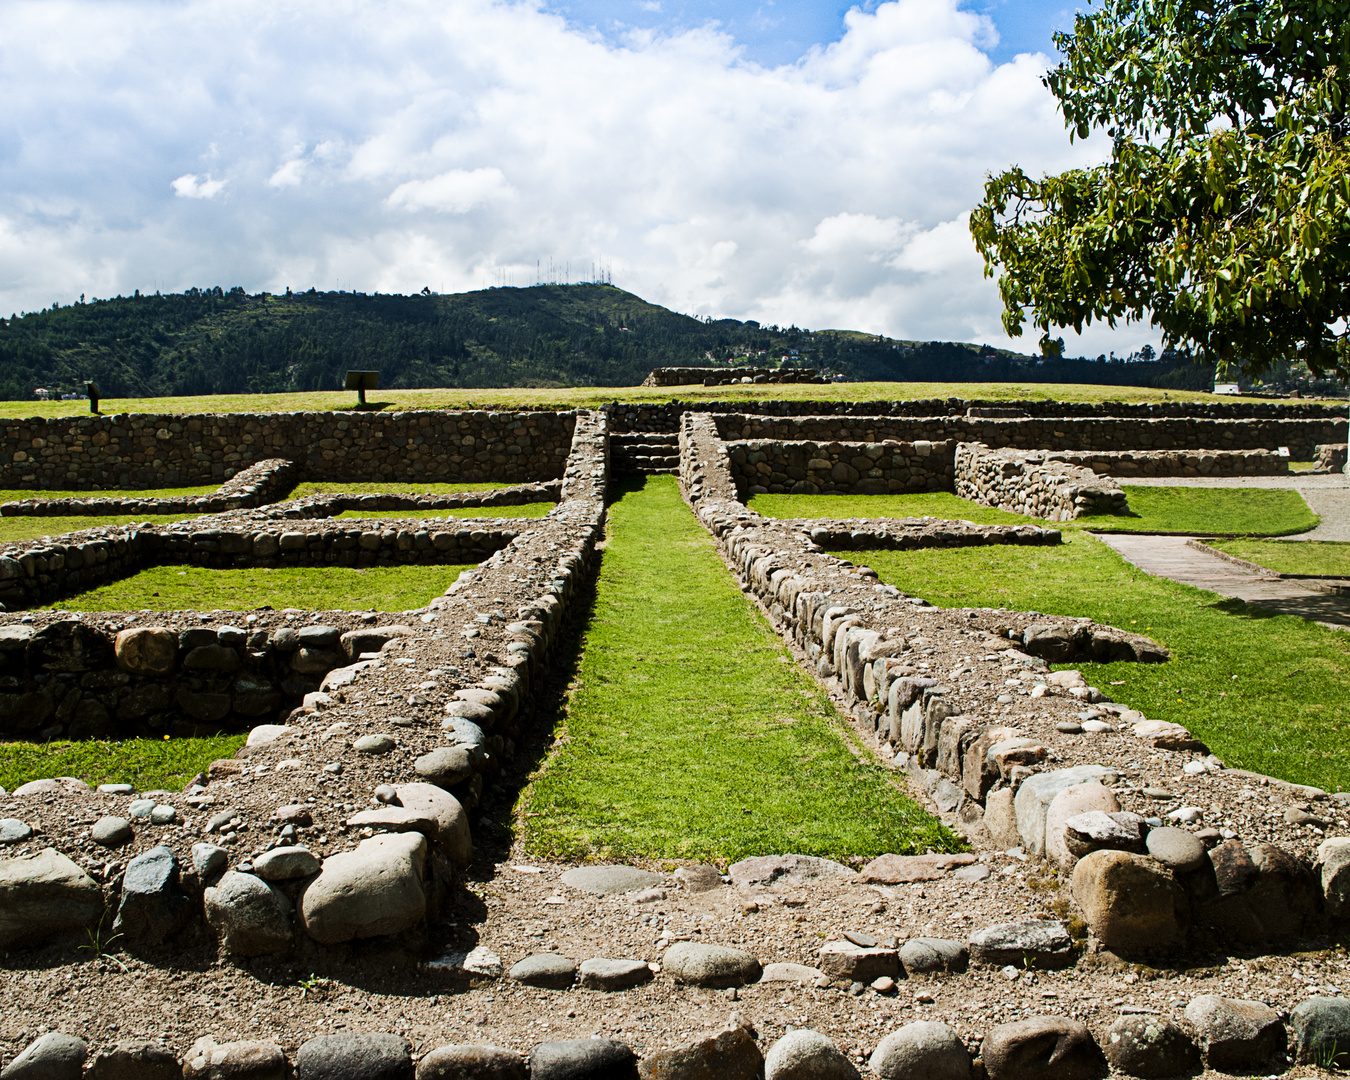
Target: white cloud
[
  {"x": 456, "y": 139},
  {"x": 189, "y": 186}
]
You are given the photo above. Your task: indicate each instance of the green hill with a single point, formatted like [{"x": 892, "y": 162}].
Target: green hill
[{"x": 212, "y": 341}]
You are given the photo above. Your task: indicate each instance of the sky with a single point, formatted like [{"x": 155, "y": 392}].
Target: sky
[{"x": 786, "y": 161}]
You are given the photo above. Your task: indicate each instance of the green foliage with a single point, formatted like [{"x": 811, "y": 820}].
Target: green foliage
[
  {"x": 327, "y": 588},
  {"x": 1207, "y": 512},
  {"x": 1309, "y": 557},
  {"x": 147, "y": 764},
  {"x": 1263, "y": 690},
  {"x": 690, "y": 733},
  {"x": 1223, "y": 215}
]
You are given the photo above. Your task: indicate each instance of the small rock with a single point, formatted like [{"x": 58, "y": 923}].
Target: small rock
[
  {"x": 445, "y": 766},
  {"x": 548, "y": 971},
  {"x": 1041, "y": 1048},
  {"x": 355, "y": 1056},
  {"x": 1176, "y": 849},
  {"x": 153, "y": 905},
  {"x": 1069, "y": 727},
  {"x": 798, "y": 974},
  {"x": 1149, "y": 1047},
  {"x": 1096, "y": 829},
  {"x": 605, "y": 880},
  {"x": 1044, "y": 943},
  {"x": 452, "y": 822},
  {"x": 141, "y": 808},
  {"x": 803, "y": 1054},
  {"x": 602, "y": 973},
  {"x": 898, "y": 869},
  {"x": 375, "y": 744},
  {"x": 133, "y": 1061},
  {"x": 479, "y": 960},
  {"x": 923, "y": 1050},
  {"x": 266, "y": 733},
  {"x": 731, "y": 1054},
  {"x": 1235, "y": 1036},
  {"x": 698, "y": 879},
  {"x": 1186, "y": 815},
  {"x": 926, "y": 955},
  {"x": 53, "y": 1056},
  {"x": 1321, "y": 1030},
  {"x": 286, "y": 864},
  {"x": 1132, "y": 904},
  {"x": 163, "y": 814},
  {"x": 372, "y": 891},
  {"x": 1333, "y": 857},
  {"x": 251, "y": 917},
  {"x": 110, "y": 832},
  {"x": 14, "y": 831},
  {"x": 844, "y": 960},
  {"x": 712, "y": 966},
  {"x": 209, "y": 861},
  {"x": 971, "y": 874},
  {"x": 114, "y": 789},
  {"x": 765, "y": 870},
  {"x": 250, "y": 1060},
  {"x": 484, "y": 1062},
  {"x": 1066, "y": 805},
  {"x": 883, "y": 985},
  {"x": 1097, "y": 727},
  {"x": 580, "y": 1059},
  {"x": 43, "y": 894}
]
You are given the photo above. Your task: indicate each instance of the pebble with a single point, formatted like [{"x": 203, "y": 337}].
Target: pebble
[
  {"x": 163, "y": 814},
  {"x": 115, "y": 789},
  {"x": 602, "y": 973},
  {"x": 14, "y": 831},
  {"x": 1175, "y": 848},
  {"x": 1187, "y": 815},
  {"x": 1069, "y": 727},
  {"x": 548, "y": 971},
  {"x": 111, "y": 831},
  {"x": 386, "y": 794},
  {"x": 208, "y": 860},
  {"x": 803, "y": 1054},
  {"x": 1295, "y": 816},
  {"x": 53, "y": 1056},
  {"x": 1157, "y": 793},
  {"x": 1097, "y": 727},
  {"x": 604, "y": 880},
  {"x": 374, "y": 744},
  {"x": 141, "y": 808}
]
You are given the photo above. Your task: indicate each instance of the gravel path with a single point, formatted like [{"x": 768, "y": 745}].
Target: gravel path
[{"x": 1169, "y": 557}]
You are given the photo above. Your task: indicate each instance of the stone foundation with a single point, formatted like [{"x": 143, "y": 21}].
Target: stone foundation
[{"x": 1039, "y": 485}]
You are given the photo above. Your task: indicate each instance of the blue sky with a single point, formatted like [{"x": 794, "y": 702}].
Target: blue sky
[
  {"x": 787, "y": 162},
  {"x": 775, "y": 32}
]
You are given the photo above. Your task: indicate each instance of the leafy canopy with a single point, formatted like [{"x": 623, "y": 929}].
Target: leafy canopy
[{"x": 1223, "y": 214}]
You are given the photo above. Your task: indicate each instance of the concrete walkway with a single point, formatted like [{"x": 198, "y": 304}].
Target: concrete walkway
[
  {"x": 1328, "y": 495},
  {"x": 1169, "y": 557}
]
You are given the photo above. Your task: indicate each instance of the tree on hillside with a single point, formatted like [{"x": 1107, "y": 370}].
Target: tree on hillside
[{"x": 1223, "y": 214}]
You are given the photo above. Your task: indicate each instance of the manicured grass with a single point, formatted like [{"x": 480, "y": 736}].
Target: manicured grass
[
  {"x": 1265, "y": 691},
  {"x": 524, "y": 510},
  {"x": 595, "y": 396},
  {"x": 689, "y": 732},
  {"x": 1208, "y": 512},
  {"x": 31, "y": 528},
  {"x": 327, "y": 588},
  {"x": 938, "y": 504},
  {"x": 19, "y": 494},
  {"x": 380, "y": 487},
  {"x": 1317, "y": 557},
  {"x": 147, "y": 764}
]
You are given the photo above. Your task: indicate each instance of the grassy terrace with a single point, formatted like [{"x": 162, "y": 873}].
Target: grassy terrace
[
  {"x": 326, "y": 588},
  {"x": 690, "y": 733},
  {"x": 1320, "y": 558},
  {"x": 1266, "y": 691},
  {"x": 1203, "y": 511},
  {"x": 591, "y": 397}
]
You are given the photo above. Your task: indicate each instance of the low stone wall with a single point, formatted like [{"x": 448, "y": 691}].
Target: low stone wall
[
  {"x": 914, "y": 534},
  {"x": 1330, "y": 458},
  {"x": 1127, "y": 463},
  {"x": 330, "y": 505},
  {"x": 841, "y": 468},
  {"x": 1073, "y": 434},
  {"x": 1039, "y": 485},
  {"x": 144, "y": 450},
  {"x": 713, "y": 376},
  {"x": 262, "y": 483}
]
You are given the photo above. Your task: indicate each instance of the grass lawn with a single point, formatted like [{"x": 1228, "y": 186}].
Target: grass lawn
[
  {"x": 595, "y": 396},
  {"x": 690, "y": 734},
  {"x": 19, "y": 494},
  {"x": 1318, "y": 557},
  {"x": 147, "y": 764},
  {"x": 1208, "y": 512},
  {"x": 31, "y": 528},
  {"x": 1266, "y": 692},
  {"x": 326, "y": 588},
  {"x": 524, "y": 510},
  {"x": 381, "y": 487}
]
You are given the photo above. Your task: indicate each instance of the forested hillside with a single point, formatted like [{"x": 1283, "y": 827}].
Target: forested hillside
[{"x": 212, "y": 341}]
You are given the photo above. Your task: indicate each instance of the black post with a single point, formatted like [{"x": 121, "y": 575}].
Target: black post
[
  {"x": 92, "y": 390},
  {"x": 361, "y": 393}
]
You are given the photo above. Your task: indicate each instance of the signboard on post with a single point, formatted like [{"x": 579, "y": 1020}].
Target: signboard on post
[{"x": 361, "y": 381}]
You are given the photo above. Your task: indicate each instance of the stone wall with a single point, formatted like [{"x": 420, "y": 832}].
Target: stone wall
[
  {"x": 1330, "y": 458},
  {"x": 142, "y": 450},
  {"x": 712, "y": 376},
  {"x": 841, "y": 468},
  {"x": 1127, "y": 463},
  {"x": 324, "y": 505},
  {"x": 1037, "y": 484},
  {"x": 1092, "y": 433}
]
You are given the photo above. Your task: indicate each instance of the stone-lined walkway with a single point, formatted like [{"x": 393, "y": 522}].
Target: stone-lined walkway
[{"x": 1170, "y": 557}]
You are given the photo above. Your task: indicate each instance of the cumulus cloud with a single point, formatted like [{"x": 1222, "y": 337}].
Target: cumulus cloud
[{"x": 448, "y": 142}]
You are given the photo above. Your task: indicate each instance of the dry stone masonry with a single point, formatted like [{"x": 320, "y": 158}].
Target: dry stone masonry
[{"x": 1039, "y": 485}]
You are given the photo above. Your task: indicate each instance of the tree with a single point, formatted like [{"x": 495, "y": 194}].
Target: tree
[{"x": 1223, "y": 214}]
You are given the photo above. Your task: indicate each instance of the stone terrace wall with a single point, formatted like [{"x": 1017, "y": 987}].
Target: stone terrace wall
[
  {"x": 143, "y": 450},
  {"x": 628, "y": 417},
  {"x": 1126, "y": 463},
  {"x": 840, "y": 468},
  {"x": 1039, "y": 485},
  {"x": 1045, "y": 434}
]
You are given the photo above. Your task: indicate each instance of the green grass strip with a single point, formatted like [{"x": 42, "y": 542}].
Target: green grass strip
[
  {"x": 312, "y": 588},
  {"x": 1266, "y": 692},
  {"x": 19, "y": 494},
  {"x": 524, "y": 510},
  {"x": 147, "y": 764},
  {"x": 1208, "y": 512},
  {"x": 1319, "y": 557},
  {"x": 34, "y": 528},
  {"x": 383, "y": 487},
  {"x": 690, "y": 734},
  {"x": 938, "y": 504}
]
